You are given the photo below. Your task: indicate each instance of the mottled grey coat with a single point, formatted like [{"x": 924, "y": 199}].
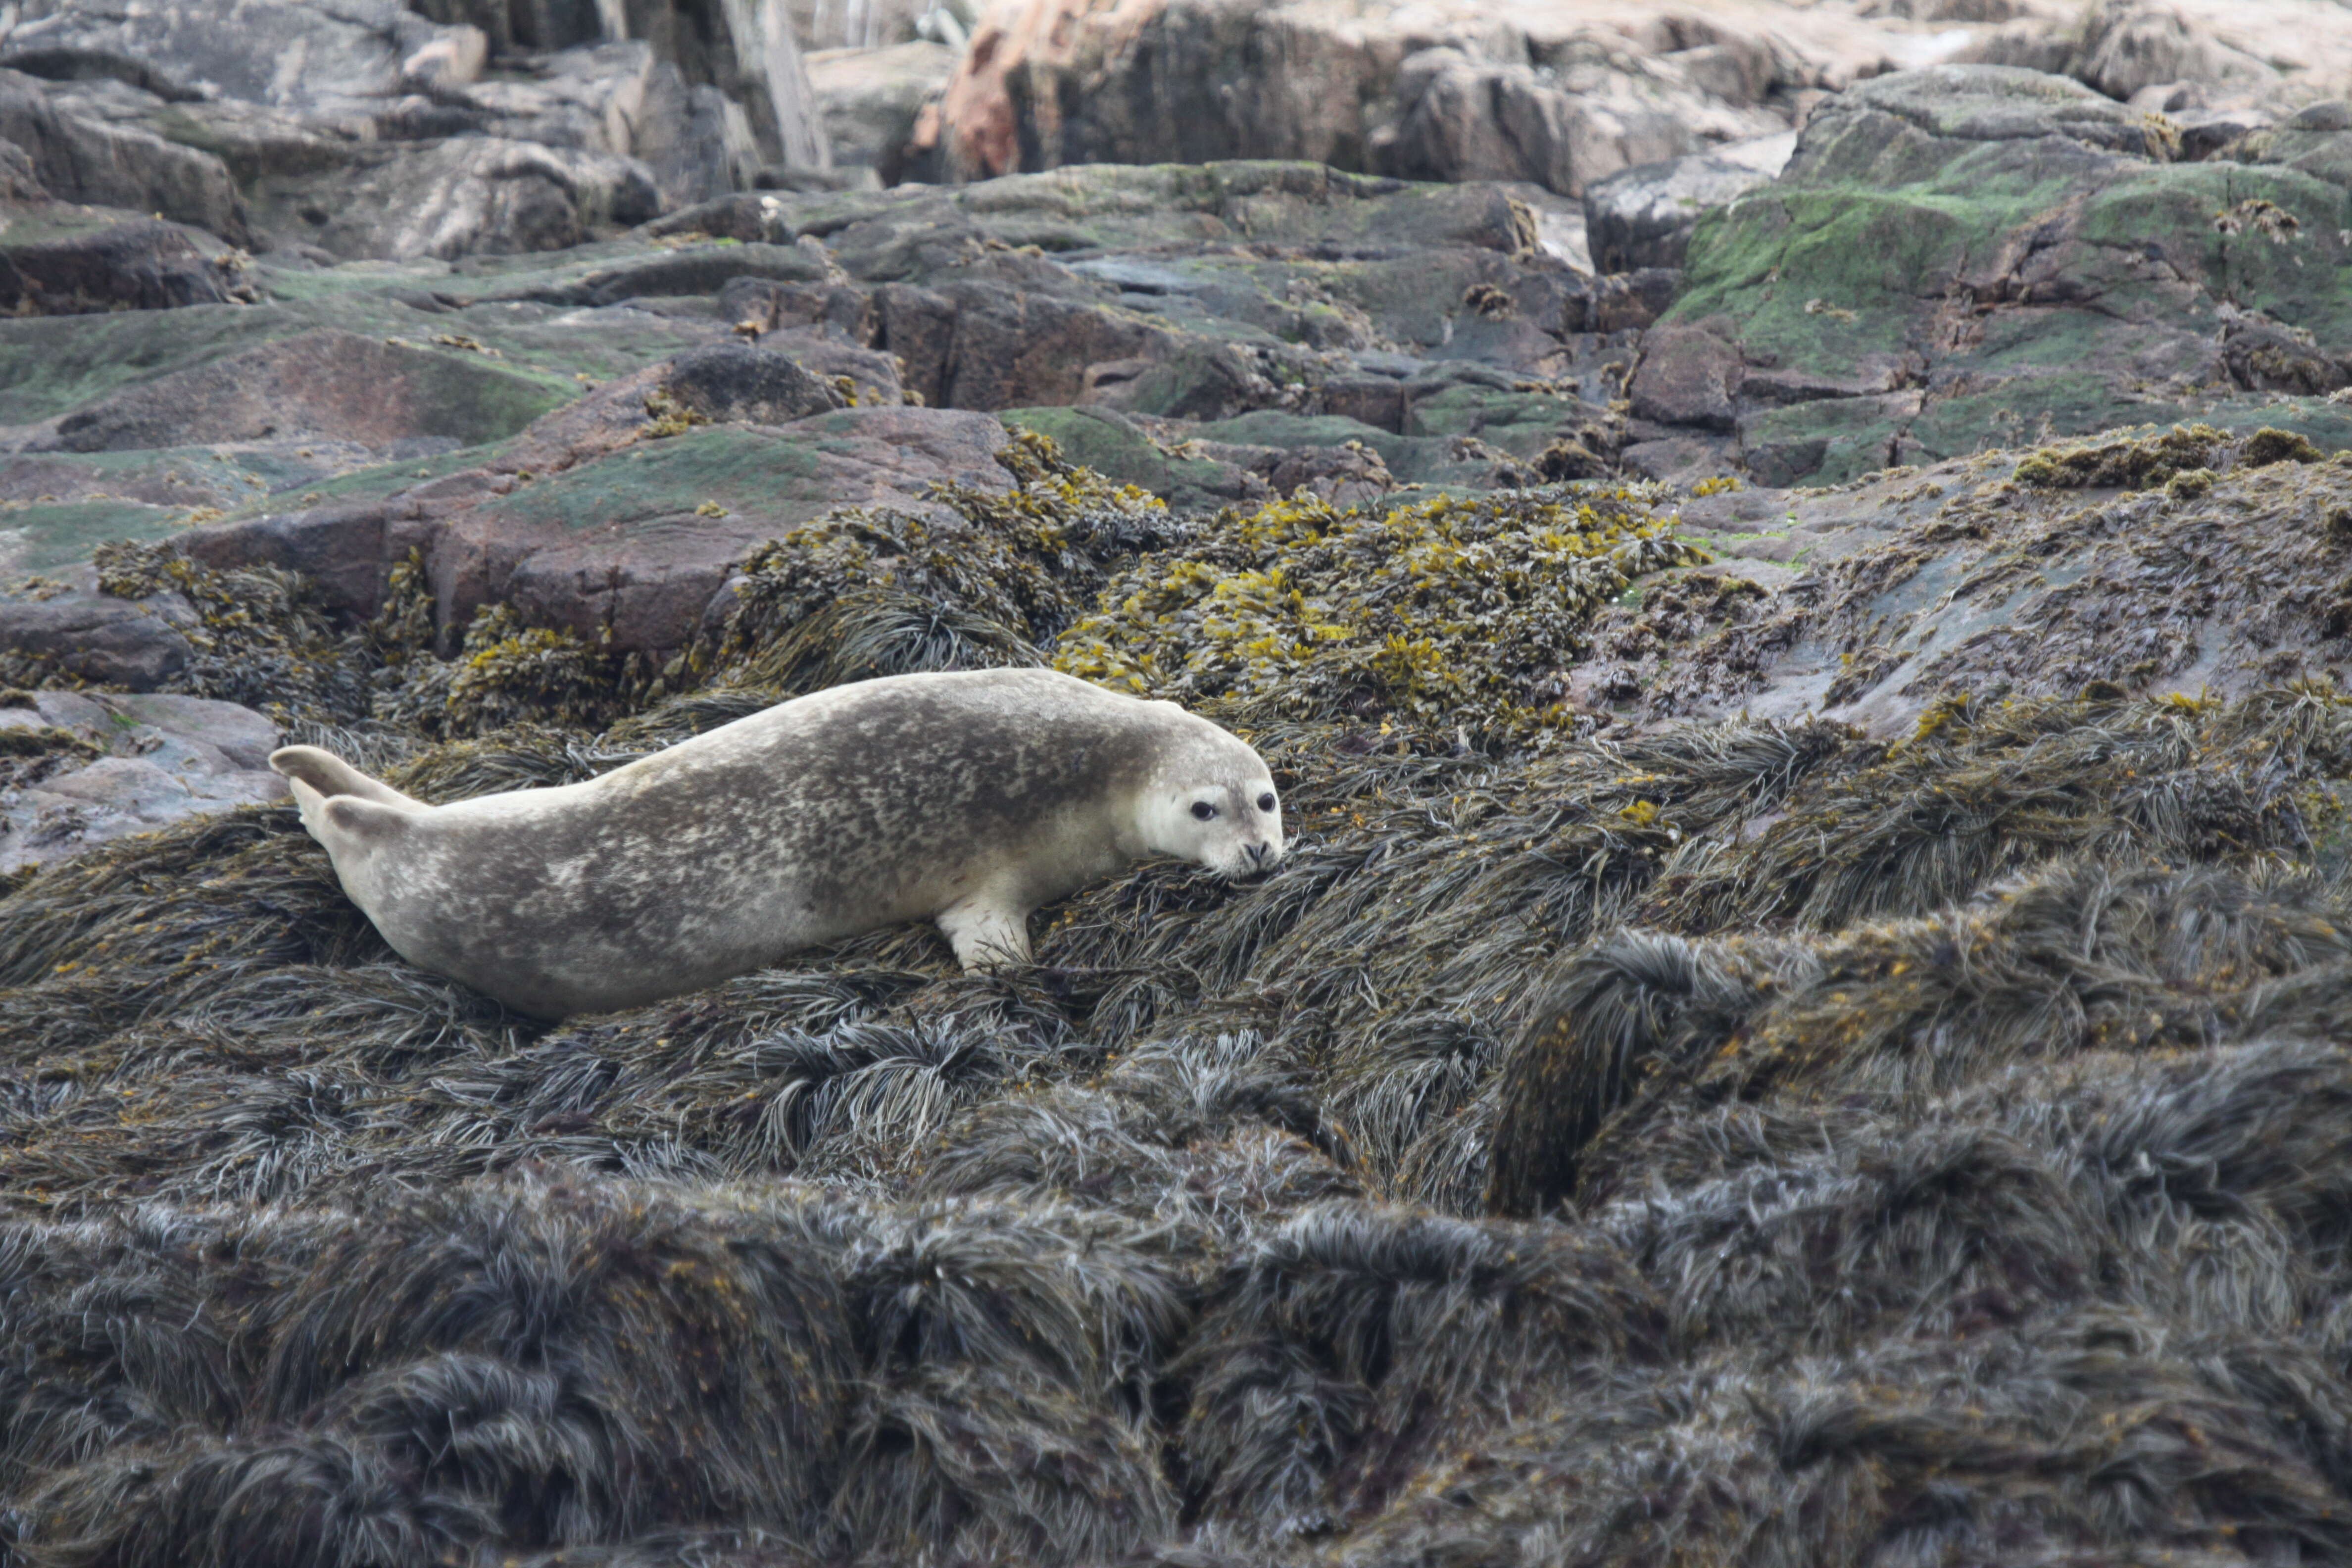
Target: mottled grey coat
[{"x": 967, "y": 799}]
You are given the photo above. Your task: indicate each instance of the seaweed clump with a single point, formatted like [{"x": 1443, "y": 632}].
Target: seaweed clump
[
  {"x": 1453, "y": 613},
  {"x": 982, "y": 579},
  {"x": 2154, "y": 462},
  {"x": 258, "y": 634}
]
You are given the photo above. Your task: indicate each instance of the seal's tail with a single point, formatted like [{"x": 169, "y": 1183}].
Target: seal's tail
[{"x": 338, "y": 802}]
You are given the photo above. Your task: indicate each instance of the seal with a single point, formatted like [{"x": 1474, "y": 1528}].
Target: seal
[{"x": 967, "y": 799}]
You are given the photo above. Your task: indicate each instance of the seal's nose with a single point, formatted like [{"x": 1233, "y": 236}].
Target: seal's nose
[{"x": 1258, "y": 852}]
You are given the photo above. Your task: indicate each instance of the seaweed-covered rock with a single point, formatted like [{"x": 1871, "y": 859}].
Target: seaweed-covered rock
[
  {"x": 1956, "y": 253},
  {"x": 1643, "y": 216},
  {"x": 1959, "y": 1059},
  {"x": 2040, "y": 574},
  {"x": 1301, "y": 610}
]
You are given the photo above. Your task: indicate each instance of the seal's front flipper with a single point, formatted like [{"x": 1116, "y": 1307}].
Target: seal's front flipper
[
  {"x": 327, "y": 775},
  {"x": 987, "y": 935}
]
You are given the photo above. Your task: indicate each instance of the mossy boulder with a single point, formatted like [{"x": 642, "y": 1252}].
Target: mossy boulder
[{"x": 1969, "y": 255}]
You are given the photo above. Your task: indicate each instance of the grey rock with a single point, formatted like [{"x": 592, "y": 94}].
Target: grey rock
[
  {"x": 66, "y": 814},
  {"x": 871, "y": 100},
  {"x": 696, "y": 140},
  {"x": 739, "y": 383},
  {"x": 20, "y": 181},
  {"x": 1896, "y": 129},
  {"x": 1643, "y": 216},
  {"x": 77, "y": 159},
  {"x": 463, "y": 196},
  {"x": 263, "y": 51},
  {"x": 95, "y": 638},
  {"x": 1462, "y": 120},
  {"x": 139, "y": 264},
  {"x": 2129, "y": 46}
]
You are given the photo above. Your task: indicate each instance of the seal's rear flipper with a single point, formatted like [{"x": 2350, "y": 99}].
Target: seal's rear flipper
[
  {"x": 327, "y": 775},
  {"x": 348, "y": 824}
]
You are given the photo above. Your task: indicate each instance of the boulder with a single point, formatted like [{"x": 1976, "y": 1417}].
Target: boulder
[
  {"x": 462, "y": 197},
  {"x": 1460, "y": 119},
  {"x": 71, "y": 627},
  {"x": 78, "y": 159},
  {"x": 325, "y": 383},
  {"x": 344, "y": 550},
  {"x": 87, "y": 767},
  {"x": 262, "y": 51},
  {"x": 737, "y": 383},
  {"x": 20, "y": 181},
  {"x": 1643, "y": 216},
  {"x": 369, "y": 130},
  {"x": 1957, "y": 256},
  {"x": 871, "y": 100},
  {"x": 1688, "y": 376},
  {"x": 70, "y": 261},
  {"x": 2130, "y": 46},
  {"x": 635, "y": 548}
]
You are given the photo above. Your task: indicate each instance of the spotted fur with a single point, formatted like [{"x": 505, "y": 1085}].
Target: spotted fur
[{"x": 966, "y": 799}]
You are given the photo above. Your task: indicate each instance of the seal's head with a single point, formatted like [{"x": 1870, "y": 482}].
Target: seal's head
[{"x": 1211, "y": 801}]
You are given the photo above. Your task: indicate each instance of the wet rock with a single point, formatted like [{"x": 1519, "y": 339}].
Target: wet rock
[
  {"x": 871, "y": 101},
  {"x": 60, "y": 262},
  {"x": 71, "y": 627},
  {"x": 326, "y": 384},
  {"x": 79, "y": 159},
  {"x": 1643, "y": 216},
  {"x": 85, "y": 768}
]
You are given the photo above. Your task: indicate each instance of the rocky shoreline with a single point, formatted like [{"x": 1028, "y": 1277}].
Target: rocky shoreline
[{"x": 1790, "y": 565}]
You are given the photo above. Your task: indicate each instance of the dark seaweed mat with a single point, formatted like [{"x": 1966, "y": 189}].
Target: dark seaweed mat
[
  {"x": 1958, "y": 1134},
  {"x": 1744, "y": 1143}
]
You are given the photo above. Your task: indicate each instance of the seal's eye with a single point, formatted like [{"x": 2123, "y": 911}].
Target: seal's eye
[
  {"x": 1266, "y": 802},
  {"x": 1203, "y": 810}
]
